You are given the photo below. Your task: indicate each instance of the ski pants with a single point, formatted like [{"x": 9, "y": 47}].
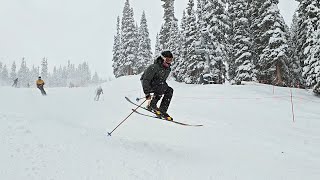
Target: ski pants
[
  {"x": 43, "y": 92},
  {"x": 158, "y": 91}
]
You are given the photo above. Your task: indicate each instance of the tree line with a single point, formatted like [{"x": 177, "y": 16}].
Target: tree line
[
  {"x": 226, "y": 40},
  {"x": 70, "y": 75}
]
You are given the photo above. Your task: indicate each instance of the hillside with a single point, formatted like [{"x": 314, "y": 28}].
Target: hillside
[{"x": 248, "y": 133}]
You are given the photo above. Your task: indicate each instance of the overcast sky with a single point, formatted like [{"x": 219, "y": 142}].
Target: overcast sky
[{"x": 77, "y": 30}]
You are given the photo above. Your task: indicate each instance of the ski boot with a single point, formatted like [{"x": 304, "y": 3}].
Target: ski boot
[
  {"x": 166, "y": 116},
  {"x": 153, "y": 109}
]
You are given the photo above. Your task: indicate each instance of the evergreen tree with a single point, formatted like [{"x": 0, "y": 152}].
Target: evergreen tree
[
  {"x": 178, "y": 69},
  {"x": 241, "y": 66},
  {"x": 157, "y": 48},
  {"x": 174, "y": 42},
  {"x": 271, "y": 43},
  {"x": 4, "y": 76},
  {"x": 189, "y": 69},
  {"x": 44, "y": 69},
  {"x": 144, "y": 57},
  {"x": 23, "y": 74},
  {"x": 13, "y": 73},
  {"x": 295, "y": 66},
  {"x": 34, "y": 74},
  {"x": 169, "y": 20},
  {"x": 169, "y": 36},
  {"x": 308, "y": 17},
  {"x": 213, "y": 39},
  {"x": 95, "y": 78},
  {"x": 54, "y": 79},
  {"x": 128, "y": 42},
  {"x": 116, "y": 50}
]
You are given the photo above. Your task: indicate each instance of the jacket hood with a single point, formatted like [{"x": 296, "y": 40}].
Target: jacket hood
[{"x": 159, "y": 60}]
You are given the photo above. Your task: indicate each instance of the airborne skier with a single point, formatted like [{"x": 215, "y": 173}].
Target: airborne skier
[{"x": 154, "y": 81}]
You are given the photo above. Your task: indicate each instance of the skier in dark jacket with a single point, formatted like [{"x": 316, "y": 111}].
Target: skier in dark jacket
[{"x": 154, "y": 81}]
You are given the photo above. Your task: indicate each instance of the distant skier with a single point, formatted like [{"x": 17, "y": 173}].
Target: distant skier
[
  {"x": 154, "y": 81},
  {"x": 15, "y": 83},
  {"x": 99, "y": 91},
  {"x": 40, "y": 84}
]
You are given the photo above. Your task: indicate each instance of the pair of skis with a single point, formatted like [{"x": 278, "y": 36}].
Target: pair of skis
[{"x": 155, "y": 116}]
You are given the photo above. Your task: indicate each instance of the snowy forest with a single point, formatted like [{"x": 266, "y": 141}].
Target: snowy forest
[
  {"x": 226, "y": 40},
  {"x": 62, "y": 76}
]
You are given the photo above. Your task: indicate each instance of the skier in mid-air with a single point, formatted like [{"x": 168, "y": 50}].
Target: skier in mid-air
[{"x": 154, "y": 81}]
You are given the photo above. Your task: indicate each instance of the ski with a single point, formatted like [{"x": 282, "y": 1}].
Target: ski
[{"x": 157, "y": 117}]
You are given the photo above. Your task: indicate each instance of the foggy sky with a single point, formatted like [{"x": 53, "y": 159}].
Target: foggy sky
[{"x": 77, "y": 30}]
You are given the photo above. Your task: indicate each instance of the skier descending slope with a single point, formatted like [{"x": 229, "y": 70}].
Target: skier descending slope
[
  {"x": 40, "y": 84},
  {"x": 154, "y": 81}
]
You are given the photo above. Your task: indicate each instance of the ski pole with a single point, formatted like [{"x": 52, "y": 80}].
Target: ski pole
[
  {"x": 109, "y": 133},
  {"x": 138, "y": 99}
]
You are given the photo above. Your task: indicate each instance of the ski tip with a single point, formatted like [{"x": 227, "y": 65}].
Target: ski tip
[{"x": 109, "y": 134}]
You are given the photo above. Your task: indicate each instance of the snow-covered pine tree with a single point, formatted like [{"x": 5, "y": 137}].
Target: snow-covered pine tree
[
  {"x": 116, "y": 50},
  {"x": 23, "y": 74},
  {"x": 169, "y": 18},
  {"x": 144, "y": 54},
  {"x": 157, "y": 48},
  {"x": 13, "y": 72},
  {"x": 34, "y": 74},
  {"x": 183, "y": 32},
  {"x": 174, "y": 42},
  {"x": 169, "y": 33},
  {"x": 83, "y": 74},
  {"x": 136, "y": 47},
  {"x": 54, "y": 77},
  {"x": 271, "y": 43},
  {"x": 71, "y": 74},
  {"x": 4, "y": 80},
  {"x": 128, "y": 42},
  {"x": 308, "y": 17},
  {"x": 241, "y": 66},
  {"x": 213, "y": 39},
  {"x": 44, "y": 69},
  {"x": 190, "y": 65},
  {"x": 169, "y": 36},
  {"x": 315, "y": 58},
  {"x": 95, "y": 78},
  {"x": 177, "y": 69},
  {"x": 296, "y": 79},
  {"x": 63, "y": 76}
]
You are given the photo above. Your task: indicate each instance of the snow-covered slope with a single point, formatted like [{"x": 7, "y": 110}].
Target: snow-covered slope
[{"x": 248, "y": 133}]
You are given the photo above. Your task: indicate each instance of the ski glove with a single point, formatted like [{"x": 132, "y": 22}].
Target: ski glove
[{"x": 148, "y": 96}]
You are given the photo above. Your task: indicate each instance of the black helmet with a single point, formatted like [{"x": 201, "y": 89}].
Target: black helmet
[
  {"x": 39, "y": 77},
  {"x": 167, "y": 54}
]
